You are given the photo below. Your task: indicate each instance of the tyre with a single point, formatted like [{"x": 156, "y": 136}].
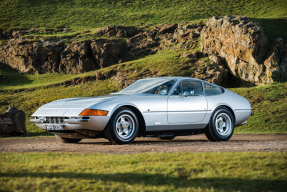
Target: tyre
[
  {"x": 67, "y": 140},
  {"x": 221, "y": 125},
  {"x": 123, "y": 127},
  {"x": 167, "y": 138}
]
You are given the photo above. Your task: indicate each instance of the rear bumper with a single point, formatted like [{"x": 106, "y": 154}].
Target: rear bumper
[{"x": 244, "y": 123}]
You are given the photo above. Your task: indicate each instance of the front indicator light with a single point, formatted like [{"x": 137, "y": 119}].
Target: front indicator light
[{"x": 93, "y": 112}]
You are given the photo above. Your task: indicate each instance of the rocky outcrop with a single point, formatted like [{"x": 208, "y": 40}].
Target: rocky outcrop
[
  {"x": 165, "y": 28},
  {"x": 186, "y": 32},
  {"x": 189, "y": 55},
  {"x": 276, "y": 62},
  {"x": 119, "y": 31},
  {"x": 12, "y": 122},
  {"x": 106, "y": 52},
  {"x": 76, "y": 58},
  {"x": 54, "y": 56},
  {"x": 32, "y": 57},
  {"x": 213, "y": 71},
  {"x": 138, "y": 44},
  {"x": 241, "y": 43}
]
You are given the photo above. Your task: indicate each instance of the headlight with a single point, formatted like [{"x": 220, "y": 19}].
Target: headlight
[{"x": 93, "y": 112}]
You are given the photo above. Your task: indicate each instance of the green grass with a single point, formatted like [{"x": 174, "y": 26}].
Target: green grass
[
  {"x": 81, "y": 15},
  {"x": 20, "y": 80},
  {"x": 269, "y": 103},
  {"x": 237, "y": 171}
]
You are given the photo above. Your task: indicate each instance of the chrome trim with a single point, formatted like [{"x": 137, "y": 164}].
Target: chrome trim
[
  {"x": 37, "y": 121},
  {"x": 76, "y": 121},
  {"x": 245, "y": 122}
]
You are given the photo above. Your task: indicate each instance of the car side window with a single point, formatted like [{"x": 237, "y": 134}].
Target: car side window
[
  {"x": 193, "y": 88},
  {"x": 178, "y": 90},
  {"x": 162, "y": 89},
  {"x": 211, "y": 90}
]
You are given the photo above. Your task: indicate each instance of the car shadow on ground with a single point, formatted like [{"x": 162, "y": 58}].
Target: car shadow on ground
[
  {"x": 183, "y": 181},
  {"x": 163, "y": 142}
]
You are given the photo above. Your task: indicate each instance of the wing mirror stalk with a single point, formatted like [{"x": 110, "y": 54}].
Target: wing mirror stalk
[{"x": 185, "y": 94}]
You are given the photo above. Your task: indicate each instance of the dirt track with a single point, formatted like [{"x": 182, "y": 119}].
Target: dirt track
[{"x": 198, "y": 143}]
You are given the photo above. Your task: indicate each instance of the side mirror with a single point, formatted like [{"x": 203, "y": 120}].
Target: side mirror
[{"x": 185, "y": 94}]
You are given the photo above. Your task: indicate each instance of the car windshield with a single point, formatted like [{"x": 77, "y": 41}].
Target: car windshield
[{"x": 150, "y": 86}]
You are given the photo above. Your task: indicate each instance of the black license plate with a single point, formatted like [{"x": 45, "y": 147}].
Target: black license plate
[{"x": 54, "y": 127}]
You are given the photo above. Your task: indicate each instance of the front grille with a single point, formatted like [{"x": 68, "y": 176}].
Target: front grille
[{"x": 54, "y": 120}]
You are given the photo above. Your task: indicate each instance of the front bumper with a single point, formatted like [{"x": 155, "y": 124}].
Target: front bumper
[
  {"x": 68, "y": 121},
  {"x": 97, "y": 123}
]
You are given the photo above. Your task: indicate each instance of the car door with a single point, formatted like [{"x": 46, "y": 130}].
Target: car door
[{"x": 190, "y": 108}]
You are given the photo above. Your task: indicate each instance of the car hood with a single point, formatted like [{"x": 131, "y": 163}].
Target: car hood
[{"x": 73, "y": 106}]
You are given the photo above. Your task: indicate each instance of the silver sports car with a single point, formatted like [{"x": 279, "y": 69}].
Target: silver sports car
[{"x": 163, "y": 107}]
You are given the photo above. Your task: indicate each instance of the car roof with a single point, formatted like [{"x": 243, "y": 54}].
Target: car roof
[
  {"x": 178, "y": 78},
  {"x": 181, "y": 78}
]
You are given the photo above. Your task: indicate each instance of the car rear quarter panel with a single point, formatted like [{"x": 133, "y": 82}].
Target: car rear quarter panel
[{"x": 239, "y": 105}]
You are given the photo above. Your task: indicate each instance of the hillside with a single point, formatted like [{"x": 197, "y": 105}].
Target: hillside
[
  {"x": 80, "y": 15},
  {"x": 163, "y": 55}
]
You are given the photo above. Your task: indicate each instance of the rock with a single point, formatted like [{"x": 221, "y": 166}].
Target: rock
[
  {"x": 241, "y": 43},
  {"x": 165, "y": 28},
  {"x": 106, "y": 52},
  {"x": 189, "y": 55},
  {"x": 31, "y": 57},
  {"x": 76, "y": 58},
  {"x": 138, "y": 44},
  {"x": 12, "y": 122},
  {"x": 185, "y": 32},
  {"x": 215, "y": 59},
  {"x": 119, "y": 31},
  {"x": 277, "y": 60},
  {"x": 213, "y": 72}
]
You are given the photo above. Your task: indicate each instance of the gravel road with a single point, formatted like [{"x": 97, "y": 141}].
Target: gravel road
[{"x": 197, "y": 143}]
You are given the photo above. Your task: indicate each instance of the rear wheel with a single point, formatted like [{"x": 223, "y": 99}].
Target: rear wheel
[
  {"x": 123, "y": 127},
  {"x": 221, "y": 125},
  {"x": 67, "y": 140}
]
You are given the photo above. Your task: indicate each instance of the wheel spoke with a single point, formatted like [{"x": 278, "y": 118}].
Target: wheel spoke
[
  {"x": 125, "y": 126},
  {"x": 223, "y": 124}
]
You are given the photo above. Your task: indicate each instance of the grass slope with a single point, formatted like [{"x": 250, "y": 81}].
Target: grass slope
[
  {"x": 240, "y": 171},
  {"x": 81, "y": 15},
  {"x": 28, "y": 91}
]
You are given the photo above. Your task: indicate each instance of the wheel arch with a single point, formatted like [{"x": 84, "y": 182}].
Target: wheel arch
[
  {"x": 142, "y": 125},
  {"x": 229, "y": 108}
]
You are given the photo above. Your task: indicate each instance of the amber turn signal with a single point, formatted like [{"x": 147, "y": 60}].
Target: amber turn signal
[{"x": 93, "y": 112}]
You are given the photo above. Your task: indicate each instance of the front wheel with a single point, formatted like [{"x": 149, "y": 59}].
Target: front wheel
[
  {"x": 221, "y": 125},
  {"x": 123, "y": 127}
]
